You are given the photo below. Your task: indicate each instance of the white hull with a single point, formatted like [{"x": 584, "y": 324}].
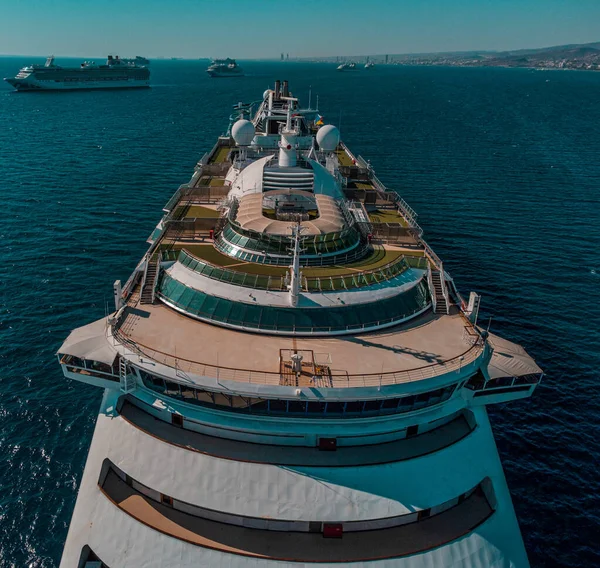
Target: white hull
[
  {"x": 344, "y": 493},
  {"x": 30, "y": 84}
]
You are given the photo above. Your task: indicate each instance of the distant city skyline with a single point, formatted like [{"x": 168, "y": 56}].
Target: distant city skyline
[{"x": 265, "y": 28}]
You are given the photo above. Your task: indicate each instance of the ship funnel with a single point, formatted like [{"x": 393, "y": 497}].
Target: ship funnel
[
  {"x": 286, "y": 92},
  {"x": 277, "y": 89}
]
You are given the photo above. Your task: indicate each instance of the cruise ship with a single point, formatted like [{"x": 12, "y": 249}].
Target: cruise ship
[
  {"x": 348, "y": 66},
  {"x": 291, "y": 377},
  {"x": 225, "y": 68},
  {"x": 116, "y": 73}
]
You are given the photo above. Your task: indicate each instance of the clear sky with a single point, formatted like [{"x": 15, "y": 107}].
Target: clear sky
[{"x": 303, "y": 28}]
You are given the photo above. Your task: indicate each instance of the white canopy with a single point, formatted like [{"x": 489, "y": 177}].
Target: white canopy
[
  {"x": 90, "y": 342},
  {"x": 509, "y": 360}
]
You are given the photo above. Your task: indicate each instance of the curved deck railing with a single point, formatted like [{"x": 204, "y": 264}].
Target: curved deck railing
[
  {"x": 356, "y": 279},
  {"x": 184, "y": 366}
]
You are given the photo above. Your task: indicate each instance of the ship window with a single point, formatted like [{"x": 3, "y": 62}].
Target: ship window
[
  {"x": 499, "y": 382},
  {"x": 389, "y": 404},
  {"x": 172, "y": 389},
  {"x": 188, "y": 393},
  {"x": 297, "y": 406},
  {"x": 278, "y": 406},
  {"x": 476, "y": 382},
  {"x": 353, "y": 407},
  {"x": 316, "y": 407},
  {"x": 223, "y": 401},
  {"x": 335, "y": 408},
  {"x": 261, "y": 406},
  {"x": 412, "y": 431},
  {"x": 372, "y": 406}
]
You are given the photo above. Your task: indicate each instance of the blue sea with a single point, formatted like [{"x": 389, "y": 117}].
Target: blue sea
[{"x": 502, "y": 165}]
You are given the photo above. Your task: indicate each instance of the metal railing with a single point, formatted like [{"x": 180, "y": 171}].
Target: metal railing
[
  {"x": 431, "y": 287},
  {"x": 444, "y": 287},
  {"x": 182, "y": 366}
]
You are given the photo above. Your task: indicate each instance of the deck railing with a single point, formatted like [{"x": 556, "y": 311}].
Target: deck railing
[
  {"x": 356, "y": 279},
  {"x": 183, "y": 366}
]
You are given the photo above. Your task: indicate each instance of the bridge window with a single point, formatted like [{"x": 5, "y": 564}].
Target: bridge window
[{"x": 263, "y": 406}]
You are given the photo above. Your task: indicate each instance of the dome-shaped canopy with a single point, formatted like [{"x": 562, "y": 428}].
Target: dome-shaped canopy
[
  {"x": 243, "y": 132},
  {"x": 328, "y": 137}
]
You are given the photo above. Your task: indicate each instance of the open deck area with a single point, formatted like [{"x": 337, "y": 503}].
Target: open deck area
[
  {"x": 426, "y": 347},
  {"x": 195, "y": 527}
]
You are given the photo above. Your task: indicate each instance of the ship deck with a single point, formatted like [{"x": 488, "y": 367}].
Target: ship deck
[
  {"x": 423, "y": 348},
  {"x": 428, "y": 346}
]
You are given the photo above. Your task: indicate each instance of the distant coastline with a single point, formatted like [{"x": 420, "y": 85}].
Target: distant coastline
[{"x": 573, "y": 57}]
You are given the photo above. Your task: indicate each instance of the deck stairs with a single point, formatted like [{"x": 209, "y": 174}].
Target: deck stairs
[
  {"x": 147, "y": 295},
  {"x": 441, "y": 295},
  {"x": 126, "y": 377}
]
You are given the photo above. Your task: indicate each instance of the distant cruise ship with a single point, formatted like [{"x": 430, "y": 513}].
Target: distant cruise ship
[
  {"x": 116, "y": 73},
  {"x": 350, "y": 66},
  {"x": 225, "y": 68},
  {"x": 291, "y": 377}
]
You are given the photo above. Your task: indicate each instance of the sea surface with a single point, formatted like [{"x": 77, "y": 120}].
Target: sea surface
[{"x": 503, "y": 167}]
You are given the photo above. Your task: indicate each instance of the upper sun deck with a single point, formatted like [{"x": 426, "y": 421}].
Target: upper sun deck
[{"x": 429, "y": 346}]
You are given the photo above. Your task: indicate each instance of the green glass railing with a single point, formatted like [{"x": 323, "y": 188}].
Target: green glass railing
[
  {"x": 310, "y": 284},
  {"x": 346, "y": 318}
]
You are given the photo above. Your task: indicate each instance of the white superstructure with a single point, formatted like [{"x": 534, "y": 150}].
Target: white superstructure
[{"x": 291, "y": 377}]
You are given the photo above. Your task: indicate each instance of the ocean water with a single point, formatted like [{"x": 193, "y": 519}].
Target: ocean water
[{"x": 503, "y": 167}]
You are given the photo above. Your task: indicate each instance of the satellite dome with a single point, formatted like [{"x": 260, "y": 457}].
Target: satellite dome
[
  {"x": 328, "y": 137},
  {"x": 266, "y": 94},
  {"x": 243, "y": 132}
]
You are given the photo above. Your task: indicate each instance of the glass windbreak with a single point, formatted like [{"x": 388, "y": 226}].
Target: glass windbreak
[
  {"x": 296, "y": 408},
  {"x": 226, "y": 275},
  {"x": 314, "y": 320},
  {"x": 312, "y": 284},
  {"x": 281, "y": 244}
]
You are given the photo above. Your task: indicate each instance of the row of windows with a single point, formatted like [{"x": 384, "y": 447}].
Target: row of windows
[
  {"x": 331, "y": 409},
  {"x": 319, "y": 319},
  {"x": 478, "y": 382}
]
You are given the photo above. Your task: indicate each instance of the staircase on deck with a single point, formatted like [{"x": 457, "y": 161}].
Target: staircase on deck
[
  {"x": 147, "y": 295},
  {"x": 441, "y": 295}
]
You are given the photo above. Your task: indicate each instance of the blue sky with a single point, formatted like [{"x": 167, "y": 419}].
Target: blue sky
[{"x": 265, "y": 28}]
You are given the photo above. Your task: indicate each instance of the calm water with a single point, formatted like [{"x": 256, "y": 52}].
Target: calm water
[{"x": 502, "y": 165}]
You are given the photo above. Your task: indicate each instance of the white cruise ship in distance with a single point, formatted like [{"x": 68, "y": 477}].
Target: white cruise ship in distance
[
  {"x": 225, "y": 68},
  {"x": 348, "y": 66},
  {"x": 116, "y": 73},
  {"x": 291, "y": 377}
]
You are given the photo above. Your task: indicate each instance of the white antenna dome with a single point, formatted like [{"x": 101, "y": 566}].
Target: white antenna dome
[
  {"x": 328, "y": 138},
  {"x": 266, "y": 94},
  {"x": 243, "y": 132}
]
